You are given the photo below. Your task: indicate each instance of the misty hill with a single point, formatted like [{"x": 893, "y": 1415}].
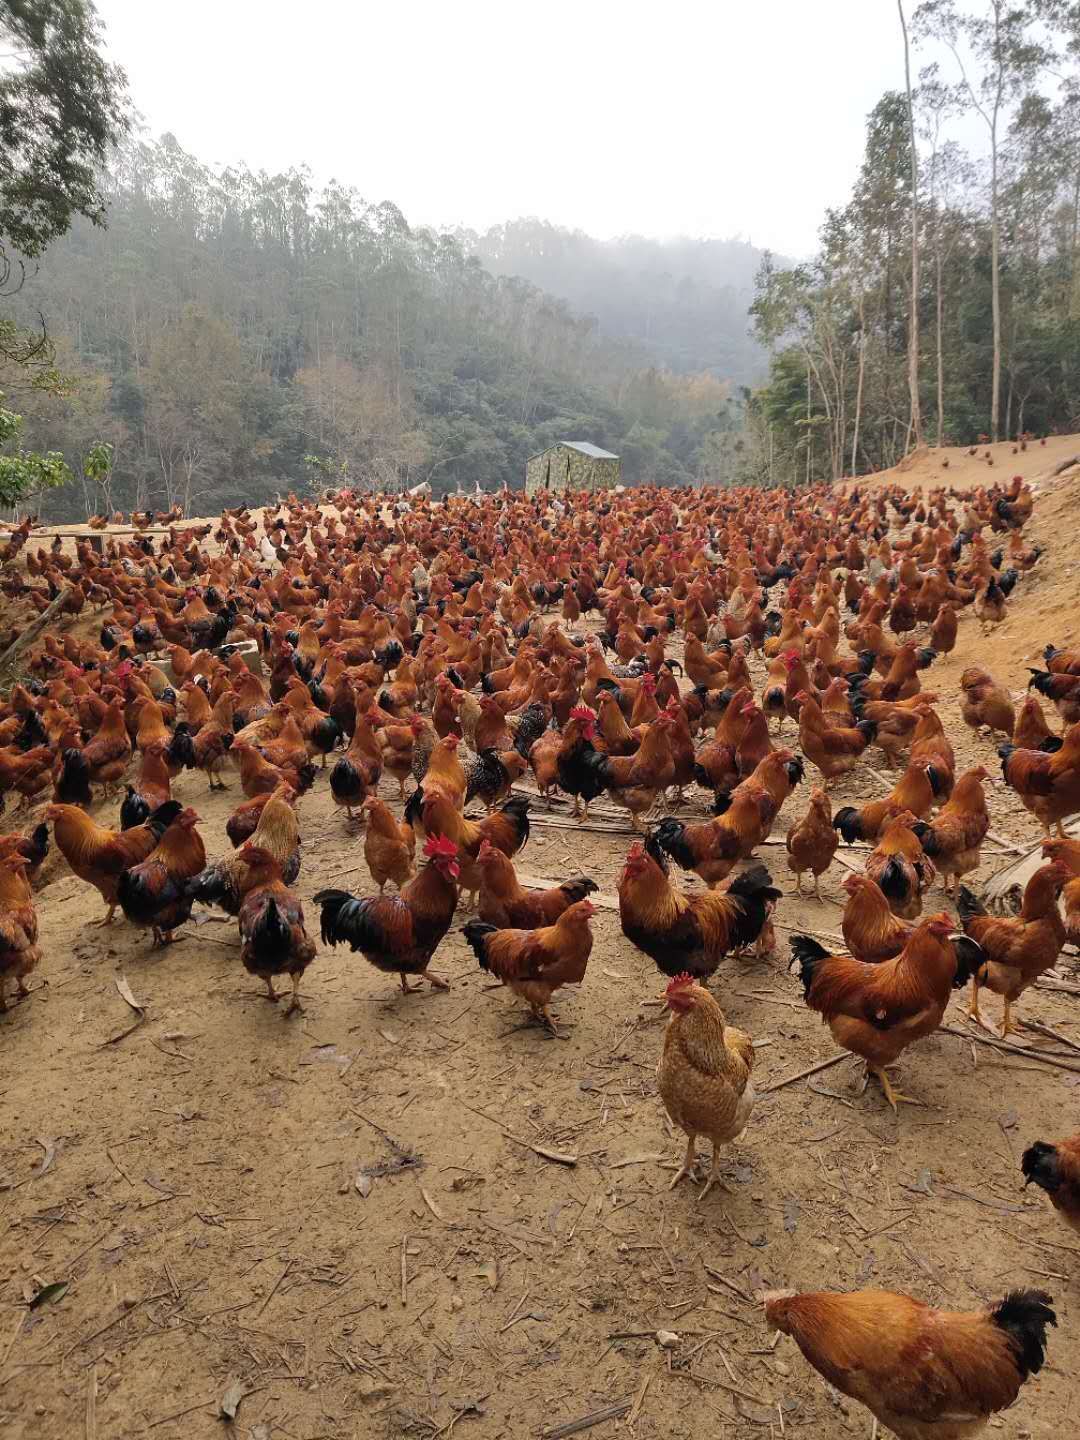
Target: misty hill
[
  {"x": 683, "y": 301},
  {"x": 233, "y": 334}
]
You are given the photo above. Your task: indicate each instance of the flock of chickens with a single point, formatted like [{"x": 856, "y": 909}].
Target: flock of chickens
[{"x": 417, "y": 640}]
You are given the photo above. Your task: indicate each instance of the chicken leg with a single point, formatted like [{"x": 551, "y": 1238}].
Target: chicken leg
[
  {"x": 1007, "y": 1025},
  {"x": 894, "y": 1097},
  {"x": 714, "y": 1178},
  {"x": 688, "y": 1163},
  {"x": 294, "y": 1003},
  {"x": 108, "y": 918}
]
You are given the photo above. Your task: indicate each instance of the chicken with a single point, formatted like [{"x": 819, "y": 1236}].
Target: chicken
[
  {"x": 985, "y": 703},
  {"x": 33, "y": 848},
  {"x": 704, "y": 1074},
  {"x": 1055, "y": 1168},
  {"x": 899, "y": 866},
  {"x": 399, "y": 934},
  {"x": 953, "y": 838},
  {"x": 684, "y": 932},
  {"x": 1048, "y": 785},
  {"x": 19, "y": 952},
  {"x": 1067, "y": 852},
  {"x": 1062, "y": 689},
  {"x": 259, "y": 777},
  {"x": 871, "y": 931},
  {"x": 1031, "y": 732},
  {"x": 833, "y": 749},
  {"x": 101, "y": 856},
  {"x": 445, "y": 773},
  {"x": 711, "y": 849},
  {"x": 357, "y": 772},
  {"x": 108, "y": 753},
  {"x": 272, "y": 934},
  {"x": 1019, "y": 949},
  {"x": 576, "y": 772},
  {"x": 636, "y": 781},
  {"x": 896, "y": 723},
  {"x": 389, "y": 845},
  {"x": 226, "y": 882},
  {"x": 28, "y": 772},
  {"x": 507, "y": 829},
  {"x": 503, "y": 903},
  {"x": 916, "y": 790},
  {"x": 924, "y": 1374},
  {"x": 155, "y": 892},
  {"x": 397, "y": 747},
  {"x": 536, "y": 963},
  {"x": 876, "y": 1011},
  {"x": 211, "y": 746},
  {"x": 811, "y": 842},
  {"x": 151, "y": 789}
]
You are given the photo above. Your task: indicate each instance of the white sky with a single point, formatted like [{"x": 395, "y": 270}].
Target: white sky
[{"x": 716, "y": 118}]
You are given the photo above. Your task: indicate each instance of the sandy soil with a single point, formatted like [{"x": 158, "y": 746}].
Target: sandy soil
[{"x": 341, "y": 1216}]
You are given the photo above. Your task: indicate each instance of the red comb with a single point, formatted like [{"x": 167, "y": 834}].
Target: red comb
[
  {"x": 440, "y": 845},
  {"x": 680, "y": 982},
  {"x": 636, "y": 851},
  {"x": 582, "y": 712}
]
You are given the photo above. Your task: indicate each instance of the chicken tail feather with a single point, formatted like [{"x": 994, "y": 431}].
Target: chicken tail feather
[{"x": 1024, "y": 1316}]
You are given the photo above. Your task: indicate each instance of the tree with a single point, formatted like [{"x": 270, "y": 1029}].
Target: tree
[
  {"x": 194, "y": 402},
  {"x": 62, "y": 109},
  {"x": 913, "y": 308},
  {"x": 24, "y": 474},
  {"x": 997, "y": 59}
]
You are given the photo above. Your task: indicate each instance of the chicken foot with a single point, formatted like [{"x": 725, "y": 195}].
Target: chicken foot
[
  {"x": 894, "y": 1097},
  {"x": 688, "y": 1165},
  {"x": 108, "y": 918},
  {"x": 294, "y": 1003}
]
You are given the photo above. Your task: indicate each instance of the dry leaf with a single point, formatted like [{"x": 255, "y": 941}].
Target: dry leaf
[
  {"x": 230, "y": 1401},
  {"x": 390, "y": 1037},
  {"x": 430, "y": 1203},
  {"x": 363, "y": 1184},
  {"x": 159, "y": 1185},
  {"x": 489, "y": 1271},
  {"x": 124, "y": 990},
  {"x": 49, "y": 1292},
  {"x": 49, "y": 1146},
  {"x": 635, "y": 1160}
]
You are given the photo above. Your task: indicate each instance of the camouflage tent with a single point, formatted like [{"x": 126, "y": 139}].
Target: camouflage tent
[{"x": 572, "y": 465}]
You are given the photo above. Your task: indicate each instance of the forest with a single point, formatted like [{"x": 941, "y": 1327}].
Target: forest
[
  {"x": 232, "y": 335},
  {"x": 943, "y": 304}
]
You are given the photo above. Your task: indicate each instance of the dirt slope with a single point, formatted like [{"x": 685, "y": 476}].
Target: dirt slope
[{"x": 194, "y": 1181}]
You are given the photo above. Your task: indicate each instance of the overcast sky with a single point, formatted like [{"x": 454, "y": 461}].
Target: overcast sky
[{"x": 716, "y": 118}]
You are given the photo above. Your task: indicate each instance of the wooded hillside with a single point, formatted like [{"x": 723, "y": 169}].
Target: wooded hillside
[{"x": 232, "y": 334}]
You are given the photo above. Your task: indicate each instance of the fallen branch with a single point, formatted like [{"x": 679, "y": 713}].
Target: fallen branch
[
  {"x": 558, "y": 1157},
  {"x": 811, "y": 1070},
  {"x": 33, "y": 630},
  {"x": 1024, "y": 1051},
  {"x": 586, "y": 1422}
]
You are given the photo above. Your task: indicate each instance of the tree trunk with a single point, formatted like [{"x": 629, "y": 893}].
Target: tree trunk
[
  {"x": 859, "y": 384},
  {"x": 940, "y": 325},
  {"x": 913, "y": 308},
  {"x": 995, "y": 288}
]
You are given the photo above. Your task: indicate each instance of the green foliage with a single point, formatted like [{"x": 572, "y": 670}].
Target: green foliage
[
  {"x": 61, "y": 111},
  {"x": 25, "y": 473}
]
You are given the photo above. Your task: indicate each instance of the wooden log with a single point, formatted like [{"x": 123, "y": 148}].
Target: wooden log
[{"x": 32, "y": 631}]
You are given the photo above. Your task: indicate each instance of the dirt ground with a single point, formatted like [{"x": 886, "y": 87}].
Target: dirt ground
[{"x": 341, "y": 1217}]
